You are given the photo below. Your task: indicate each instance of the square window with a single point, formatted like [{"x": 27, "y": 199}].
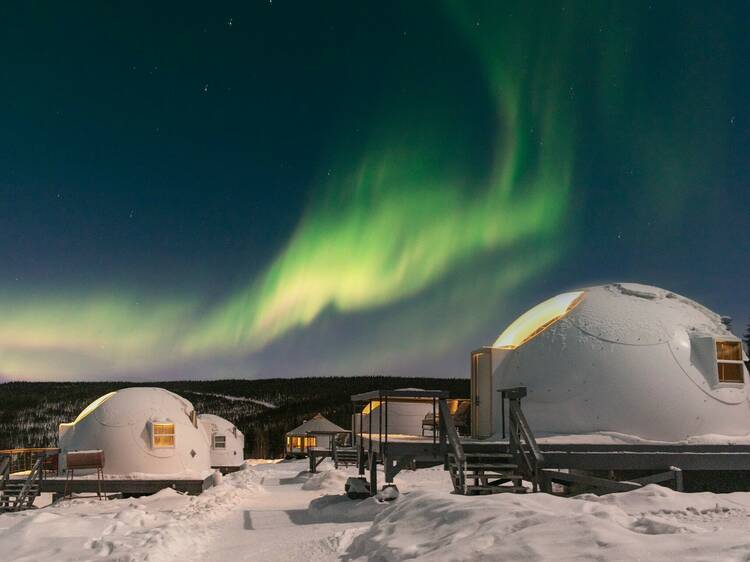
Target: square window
[
  {"x": 162, "y": 435},
  {"x": 220, "y": 441},
  {"x": 728, "y": 351},
  {"x": 730, "y": 372}
]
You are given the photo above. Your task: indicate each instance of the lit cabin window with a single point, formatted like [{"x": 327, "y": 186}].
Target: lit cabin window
[
  {"x": 162, "y": 435},
  {"x": 729, "y": 359},
  {"x": 302, "y": 443},
  {"x": 220, "y": 441},
  {"x": 538, "y": 319}
]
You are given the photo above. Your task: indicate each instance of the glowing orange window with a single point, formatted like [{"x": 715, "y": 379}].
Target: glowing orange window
[
  {"x": 729, "y": 359},
  {"x": 163, "y": 435}
]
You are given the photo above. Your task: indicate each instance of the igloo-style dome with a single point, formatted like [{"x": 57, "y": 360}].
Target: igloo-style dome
[
  {"x": 140, "y": 429},
  {"x": 226, "y": 441},
  {"x": 624, "y": 358}
]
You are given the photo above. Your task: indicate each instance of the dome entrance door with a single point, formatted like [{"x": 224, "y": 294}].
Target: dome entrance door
[{"x": 481, "y": 393}]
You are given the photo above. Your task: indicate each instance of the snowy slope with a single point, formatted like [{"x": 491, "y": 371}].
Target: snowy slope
[{"x": 276, "y": 511}]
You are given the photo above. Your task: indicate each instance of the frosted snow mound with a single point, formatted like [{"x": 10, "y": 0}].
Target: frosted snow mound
[
  {"x": 331, "y": 480},
  {"x": 652, "y": 523},
  {"x": 165, "y": 526}
]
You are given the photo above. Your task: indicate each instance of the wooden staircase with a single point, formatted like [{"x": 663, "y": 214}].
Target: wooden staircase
[
  {"x": 17, "y": 494},
  {"x": 344, "y": 456},
  {"x": 489, "y": 468},
  {"x": 485, "y": 473}
]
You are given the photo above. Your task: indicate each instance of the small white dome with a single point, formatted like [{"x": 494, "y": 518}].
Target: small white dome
[
  {"x": 626, "y": 358},
  {"x": 226, "y": 441}
]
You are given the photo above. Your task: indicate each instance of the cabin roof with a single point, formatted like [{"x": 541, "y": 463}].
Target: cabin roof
[
  {"x": 405, "y": 393},
  {"x": 318, "y": 424}
]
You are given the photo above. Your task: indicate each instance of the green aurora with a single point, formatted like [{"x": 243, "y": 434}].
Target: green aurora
[{"x": 403, "y": 213}]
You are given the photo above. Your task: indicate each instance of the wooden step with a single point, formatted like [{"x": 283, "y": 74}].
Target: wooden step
[
  {"x": 471, "y": 490},
  {"x": 19, "y": 488},
  {"x": 484, "y": 455},
  {"x": 482, "y": 466}
]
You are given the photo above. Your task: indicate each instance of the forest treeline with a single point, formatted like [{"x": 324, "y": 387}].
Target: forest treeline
[{"x": 31, "y": 412}]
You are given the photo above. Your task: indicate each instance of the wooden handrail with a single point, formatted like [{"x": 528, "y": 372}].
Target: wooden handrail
[
  {"x": 4, "y": 471},
  {"x": 35, "y": 474},
  {"x": 520, "y": 436},
  {"x": 523, "y": 426},
  {"x": 446, "y": 421},
  {"x": 17, "y": 451}
]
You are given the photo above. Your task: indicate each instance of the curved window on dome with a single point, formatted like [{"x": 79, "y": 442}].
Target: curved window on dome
[
  {"x": 538, "y": 319},
  {"x": 729, "y": 359},
  {"x": 90, "y": 408},
  {"x": 372, "y": 405}
]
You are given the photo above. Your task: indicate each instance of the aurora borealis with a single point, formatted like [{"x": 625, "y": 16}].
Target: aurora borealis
[{"x": 284, "y": 189}]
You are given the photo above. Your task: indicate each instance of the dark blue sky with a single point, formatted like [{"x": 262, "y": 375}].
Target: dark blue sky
[{"x": 294, "y": 188}]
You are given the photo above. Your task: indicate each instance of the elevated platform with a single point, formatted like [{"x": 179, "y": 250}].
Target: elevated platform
[
  {"x": 601, "y": 465},
  {"x": 192, "y": 487}
]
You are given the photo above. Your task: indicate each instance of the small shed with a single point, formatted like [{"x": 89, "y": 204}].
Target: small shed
[{"x": 315, "y": 433}]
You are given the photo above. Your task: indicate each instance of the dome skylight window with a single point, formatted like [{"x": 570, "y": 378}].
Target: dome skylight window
[{"x": 538, "y": 319}]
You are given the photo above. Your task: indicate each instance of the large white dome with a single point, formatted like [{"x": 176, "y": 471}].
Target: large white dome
[
  {"x": 625, "y": 358},
  {"x": 140, "y": 429}
]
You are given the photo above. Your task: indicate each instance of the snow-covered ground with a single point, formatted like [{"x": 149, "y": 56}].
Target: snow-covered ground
[{"x": 276, "y": 511}]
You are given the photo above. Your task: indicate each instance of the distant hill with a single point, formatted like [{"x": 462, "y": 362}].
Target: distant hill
[{"x": 262, "y": 409}]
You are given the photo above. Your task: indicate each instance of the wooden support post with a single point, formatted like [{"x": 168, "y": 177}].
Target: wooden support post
[
  {"x": 361, "y": 448},
  {"x": 679, "y": 484},
  {"x": 311, "y": 457},
  {"x": 373, "y": 474}
]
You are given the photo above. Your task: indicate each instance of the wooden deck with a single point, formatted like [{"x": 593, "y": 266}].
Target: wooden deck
[
  {"x": 543, "y": 461},
  {"x": 192, "y": 487},
  {"x": 584, "y": 456}
]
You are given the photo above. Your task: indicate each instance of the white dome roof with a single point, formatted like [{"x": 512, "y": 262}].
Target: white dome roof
[
  {"x": 625, "y": 358},
  {"x": 121, "y": 424}
]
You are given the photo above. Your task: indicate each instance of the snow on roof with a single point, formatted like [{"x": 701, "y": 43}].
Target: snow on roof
[
  {"x": 628, "y": 313},
  {"x": 318, "y": 424}
]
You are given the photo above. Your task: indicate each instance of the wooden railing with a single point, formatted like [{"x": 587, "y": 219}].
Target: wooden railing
[
  {"x": 521, "y": 440},
  {"x": 4, "y": 471},
  {"x": 36, "y": 461},
  {"x": 448, "y": 429},
  {"x": 23, "y": 459}
]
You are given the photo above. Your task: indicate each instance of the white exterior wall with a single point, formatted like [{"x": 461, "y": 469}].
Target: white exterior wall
[
  {"x": 403, "y": 418},
  {"x": 628, "y": 364},
  {"x": 120, "y": 427},
  {"x": 323, "y": 440},
  {"x": 233, "y": 453}
]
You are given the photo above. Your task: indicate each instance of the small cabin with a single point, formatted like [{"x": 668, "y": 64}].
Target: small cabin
[
  {"x": 227, "y": 443},
  {"x": 315, "y": 433}
]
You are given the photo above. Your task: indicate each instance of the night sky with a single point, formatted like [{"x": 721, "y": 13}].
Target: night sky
[{"x": 346, "y": 188}]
